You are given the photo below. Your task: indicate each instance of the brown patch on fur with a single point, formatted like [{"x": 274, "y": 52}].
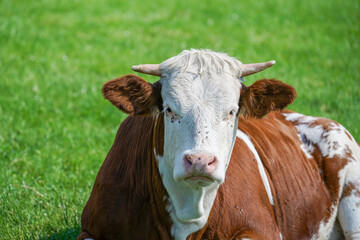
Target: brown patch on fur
[
  {"x": 328, "y": 170},
  {"x": 325, "y": 123},
  {"x": 133, "y": 95},
  {"x": 331, "y": 168},
  {"x": 127, "y": 199},
  {"x": 336, "y": 145},
  {"x": 348, "y": 189},
  {"x": 351, "y": 189},
  {"x": 264, "y": 96}
]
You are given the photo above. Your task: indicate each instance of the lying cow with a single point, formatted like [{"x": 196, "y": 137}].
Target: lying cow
[{"x": 288, "y": 176}]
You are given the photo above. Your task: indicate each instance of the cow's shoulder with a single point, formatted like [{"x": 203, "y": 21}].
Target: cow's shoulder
[
  {"x": 290, "y": 172},
  {"x": 121, "y": 202}
]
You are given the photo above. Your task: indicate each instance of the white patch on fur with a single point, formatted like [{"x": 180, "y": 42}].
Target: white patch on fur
[
  {"x": 334, "y": 141},
  {"x": 331, "y": 142},
  {"x": 263, "y": 175},
  {"x": 349, "y": 216},
  {"x": 349, "y": 207}
]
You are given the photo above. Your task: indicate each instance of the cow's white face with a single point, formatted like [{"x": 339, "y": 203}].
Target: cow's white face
[
  {"x": 200, "y": 117},
  {"x": 200, "y": 121}
]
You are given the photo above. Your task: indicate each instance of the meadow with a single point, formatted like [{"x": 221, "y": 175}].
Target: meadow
[{"x": 55, "y": 126}]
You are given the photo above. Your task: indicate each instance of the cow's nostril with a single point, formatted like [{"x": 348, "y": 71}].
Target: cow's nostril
[
  {"x": 187, "y": 162},
  {"x": 212, "y": 162}
]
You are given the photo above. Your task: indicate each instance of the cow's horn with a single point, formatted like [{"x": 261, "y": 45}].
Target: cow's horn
[
  {"x": 152, "y": 69},
  {"x": 252, "y": 68}
]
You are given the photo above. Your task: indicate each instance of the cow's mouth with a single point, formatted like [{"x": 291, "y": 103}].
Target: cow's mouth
[
  {"x": 199, "y": 178},
  {"x": 199, "y": 181}
]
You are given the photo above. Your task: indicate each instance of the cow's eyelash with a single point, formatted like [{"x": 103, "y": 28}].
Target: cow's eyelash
[
  {"x": 231, "y": 113},
  {"x": 171, "y": 114},
  {"x": 165, "y": 109}
]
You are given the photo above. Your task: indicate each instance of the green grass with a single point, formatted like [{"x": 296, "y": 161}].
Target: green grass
[{"x": 55, "y": 127}]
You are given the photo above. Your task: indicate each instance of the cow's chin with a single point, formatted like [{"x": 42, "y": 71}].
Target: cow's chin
[{"x": 199, "y": 181}]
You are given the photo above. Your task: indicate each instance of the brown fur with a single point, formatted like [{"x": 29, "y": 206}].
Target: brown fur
[
  {"x": 133, "y": 95},
  {"x": 350, "y": 189},
  {"x": 128, "y": 200},
  {"x": 264, "y": 96}
]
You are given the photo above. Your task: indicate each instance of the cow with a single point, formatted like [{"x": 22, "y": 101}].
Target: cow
[{"x": 288, "y": 175}]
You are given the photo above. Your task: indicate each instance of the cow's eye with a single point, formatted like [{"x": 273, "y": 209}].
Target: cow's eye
[
  {"x": 231, "y": 114},
  {"x": 171, "y": 114}
]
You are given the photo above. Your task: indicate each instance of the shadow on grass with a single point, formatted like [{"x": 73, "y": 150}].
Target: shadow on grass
[{"x": 64, "y": 234}]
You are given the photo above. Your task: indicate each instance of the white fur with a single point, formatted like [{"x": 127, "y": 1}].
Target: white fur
[
  {"x": 201, "y": 88},
  {"x": 349, "y": 207},
  {"x": 334, "y": 141},
  {"x": 200, "y": 62},
  {"x": 336, "y": 232},
  {"x": 349, "y": 216},
  {"x": 263, "y": 175}
]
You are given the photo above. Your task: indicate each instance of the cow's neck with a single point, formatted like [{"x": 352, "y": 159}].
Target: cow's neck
[
  {"x": 193, "y": 203},
  {"x": 158, "y": 194}
]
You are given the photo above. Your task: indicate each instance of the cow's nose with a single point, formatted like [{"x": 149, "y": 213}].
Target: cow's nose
[{"x": 200, "y": 163}]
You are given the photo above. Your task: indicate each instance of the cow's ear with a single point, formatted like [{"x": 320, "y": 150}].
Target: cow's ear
[
  {"x": 133, "y": 95},
  {"x": 265, "y": 95}
]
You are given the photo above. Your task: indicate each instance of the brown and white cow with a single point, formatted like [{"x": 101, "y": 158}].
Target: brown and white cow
[{"x": 288, "y": 176}]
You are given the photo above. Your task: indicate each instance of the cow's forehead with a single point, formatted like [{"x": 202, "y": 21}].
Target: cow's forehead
[
  {"x": 200, "y": 62},
  {"x": 198, "y": 76},
  {"x": 188, "y": 90}
]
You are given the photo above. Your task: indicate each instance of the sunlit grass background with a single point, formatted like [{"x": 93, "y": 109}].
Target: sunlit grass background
[{"x": 55, "y": 127}]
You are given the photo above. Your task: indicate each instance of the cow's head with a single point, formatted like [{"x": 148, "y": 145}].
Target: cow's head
[{"x": 199, "y": 96}]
